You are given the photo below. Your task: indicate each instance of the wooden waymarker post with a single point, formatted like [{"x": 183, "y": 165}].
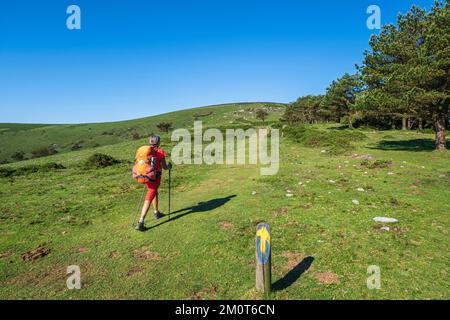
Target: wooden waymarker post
[{"x": 263, "y": 258}]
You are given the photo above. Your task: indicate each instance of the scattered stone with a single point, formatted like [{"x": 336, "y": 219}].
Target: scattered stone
[
  {"x": 362, "y": 156},
  {"x": 385, "y": 228},
  {"x": 35, "y": 254},
  {"x": 253, "y": 193},
  {"x": 331, "y": 181},
  {"x": 360, "y": 189},
  {"x": 355, "y": 202},
  {"x": 390, "y": 173},
  {"x": 385, "y": 220},
  {"x": 300, "y": 183},
  {"x": 289, "y": 195},
  {"x": 323, "y": 151}
]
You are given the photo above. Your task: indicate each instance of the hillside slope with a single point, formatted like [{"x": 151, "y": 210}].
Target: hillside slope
[
  {"x": 27, "y": 138},
  {"x": 323, "y": 243}
]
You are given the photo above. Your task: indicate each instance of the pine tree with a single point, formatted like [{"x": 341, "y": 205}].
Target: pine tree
[{"x": 407, "y": 70}]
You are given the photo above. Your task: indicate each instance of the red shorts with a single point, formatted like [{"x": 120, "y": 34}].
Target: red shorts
[{"x": 152, "y": 188}]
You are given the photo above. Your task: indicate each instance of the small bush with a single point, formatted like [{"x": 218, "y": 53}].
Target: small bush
[
  {"x": 33, "y": 168},
  {"x": 164, "y": 126},
  {"x": 18, "y": 156},
  {"x": 100, "y": 160},
  {"x": 335, "y": 141},
  {"x": 44, "y": 152},
  {"x": 6, "y": 172},
  {"x": 376, "y": 164}
]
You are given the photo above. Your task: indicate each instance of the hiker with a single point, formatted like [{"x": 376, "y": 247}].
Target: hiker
[{"x": 152, "y": 186}]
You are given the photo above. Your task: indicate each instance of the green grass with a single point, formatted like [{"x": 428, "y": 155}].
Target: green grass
[
  {"x": 66, "y": 138},
  {"x": 84, "y": 216}
]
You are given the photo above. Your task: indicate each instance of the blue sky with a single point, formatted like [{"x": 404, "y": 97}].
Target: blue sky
[{"x": 139, "y": 58}]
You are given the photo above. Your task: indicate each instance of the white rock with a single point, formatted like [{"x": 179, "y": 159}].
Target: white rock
[
  {"x": 390, "y": 173},
  {"x": 300, "y": 183},
  {"x": 323, "y": 151},
  {"x": 289, "y": 195},
  {"x": 253, "y": 193},
  {"x": 331, "y": 181},
  {"x": 355, "y": 201},
  {"x": 385, "y": 228},
  {"x": 385, "y": 219},
  {"x": 360, "y": 189}
]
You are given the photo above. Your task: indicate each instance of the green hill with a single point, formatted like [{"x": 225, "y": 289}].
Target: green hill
[
  {"x": 323, "y": 234},
  {"x": 27, "y": 138}
]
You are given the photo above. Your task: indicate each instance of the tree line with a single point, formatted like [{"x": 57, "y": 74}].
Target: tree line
[{"x": 402, "y": 82}]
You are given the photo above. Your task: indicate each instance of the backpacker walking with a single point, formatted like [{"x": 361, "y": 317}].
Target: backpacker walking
[{"x": 149, "y": 162}]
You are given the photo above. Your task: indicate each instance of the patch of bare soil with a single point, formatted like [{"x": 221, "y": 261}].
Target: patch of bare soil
[
  {"x": 134, "y": 271},
  {"x": 293, "y": 259},
  {"x": 35, "y": 254},
  {"x": 326, "y": 278},
  {"x": 207, "y": 293},
  {"x": 225, "y": 225},
  {"x": 282, "y": 212},
  {"x": 5, "y": 254},
  {"x": 144, "y": 254},
  {"x": 40, "y": 277},
  {"x": 114, "y": 255},
  {"x": 82, "y": 249}
]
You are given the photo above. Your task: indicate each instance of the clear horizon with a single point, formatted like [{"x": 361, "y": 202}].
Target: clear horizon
[{"x": 132, "y": 60}]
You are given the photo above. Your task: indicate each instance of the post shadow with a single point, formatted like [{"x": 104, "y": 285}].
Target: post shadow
[
  {"x": 293, "y": 275},
  {"x": 203, "y": 206}
]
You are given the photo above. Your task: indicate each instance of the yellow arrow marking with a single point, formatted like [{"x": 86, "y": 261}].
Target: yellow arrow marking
[{"x": 264, "y": 236}]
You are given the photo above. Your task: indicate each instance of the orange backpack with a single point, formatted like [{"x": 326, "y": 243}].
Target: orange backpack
[{"x": 144, "y": 169}]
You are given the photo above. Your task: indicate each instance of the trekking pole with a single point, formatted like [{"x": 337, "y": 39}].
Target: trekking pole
[
  {"x": 138, "y": 207},
  {"x": 169, "y": 192}
]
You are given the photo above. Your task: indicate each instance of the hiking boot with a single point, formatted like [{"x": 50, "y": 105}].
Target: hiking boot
[
  {"x": 159, "y": 215},
  {"x": 140, "y": 226}
]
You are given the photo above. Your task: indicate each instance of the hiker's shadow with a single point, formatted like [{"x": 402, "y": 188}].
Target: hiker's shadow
[
  {"x": 199, "y": 207},
  {"x": 293, "y": 275}
]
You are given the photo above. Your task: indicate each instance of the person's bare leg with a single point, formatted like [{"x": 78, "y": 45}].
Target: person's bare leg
[
  {"x": 144, "y": 210},
  {"x": 155, "y": 204}
]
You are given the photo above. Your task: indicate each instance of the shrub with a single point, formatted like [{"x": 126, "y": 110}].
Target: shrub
[
  {"x": 6, "y": 172},
  {"x": 44, "y": 152},
  {"x": 376, "y": 164},
  {"x": 100, "y": 160},
  {"x": 33, "y": 168},
  {"x": 262, "y": 114},
  {"x": 335, "y": 141},
  {"x": 18, "y": 156},
  {"x": 164, "y": 126}
]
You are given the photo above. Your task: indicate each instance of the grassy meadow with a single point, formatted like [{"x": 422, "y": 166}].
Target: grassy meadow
[{"x": 320, "y": 207}]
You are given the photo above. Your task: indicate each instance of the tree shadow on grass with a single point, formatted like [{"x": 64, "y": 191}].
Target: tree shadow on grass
[
  {"x": 293, "y": 275},
  {"x": 199, "y": 207},
  {"x": 407, "y": 145}
]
